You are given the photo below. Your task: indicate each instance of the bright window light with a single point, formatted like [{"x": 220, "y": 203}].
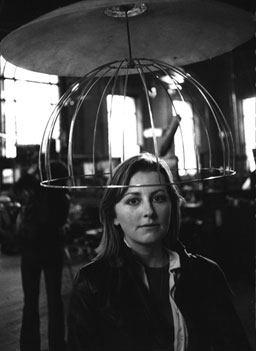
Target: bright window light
[
  {"x": 249, "y": 112},
  {"x": 123, "y": 126},
  {"x": 184, "y": 142},
  {"x": 28, "y": 99}
]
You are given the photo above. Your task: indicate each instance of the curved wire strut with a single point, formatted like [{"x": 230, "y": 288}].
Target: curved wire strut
[{"x": 113, "y": 78}]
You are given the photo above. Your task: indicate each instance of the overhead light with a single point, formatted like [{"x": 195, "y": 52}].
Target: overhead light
[
  {"x": 173, "y": 82},
  {"x": 150, "y": 133}
]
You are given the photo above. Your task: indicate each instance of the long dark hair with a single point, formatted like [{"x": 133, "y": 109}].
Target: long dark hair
[{"x": 112, "y": 235}]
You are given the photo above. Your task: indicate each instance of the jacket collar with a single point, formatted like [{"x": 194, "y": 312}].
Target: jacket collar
[{"x": 177, "y": 256}]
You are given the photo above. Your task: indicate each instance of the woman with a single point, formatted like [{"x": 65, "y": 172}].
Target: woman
[{"x": 143, "y": 291}]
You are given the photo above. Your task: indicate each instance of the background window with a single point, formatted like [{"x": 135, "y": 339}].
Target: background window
[
  {"x": 27, "y": 100},
  {"x": 123, "y": 126},
  {"x": 184, "y": 142},
  {"x": 249, "y": 112}
]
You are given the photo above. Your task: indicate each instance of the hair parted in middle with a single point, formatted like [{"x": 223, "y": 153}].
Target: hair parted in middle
[{"x": 117, "y": 186}]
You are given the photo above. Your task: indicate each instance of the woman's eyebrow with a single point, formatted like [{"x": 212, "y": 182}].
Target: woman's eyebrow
[
  {"x": 157, "y": 191},
  {"x": 137, "y": 193}
]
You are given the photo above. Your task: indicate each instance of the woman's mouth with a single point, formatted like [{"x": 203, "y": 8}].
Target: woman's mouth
[{"x": 149, "y": 225}]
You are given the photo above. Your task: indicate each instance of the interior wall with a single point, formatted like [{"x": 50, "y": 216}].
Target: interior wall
[{"x": 231, "y": 78}]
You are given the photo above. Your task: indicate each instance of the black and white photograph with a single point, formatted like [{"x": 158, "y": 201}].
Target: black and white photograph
[{"x": 127, "y": 175}]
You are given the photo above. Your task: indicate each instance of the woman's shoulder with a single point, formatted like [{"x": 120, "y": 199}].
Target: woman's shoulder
[
  {"x": 202, "y": 267},
  {"x": 197, "y": 260},
  {"x": 92, "y": 274},
  {"x": 203, "y": 261},
  {"x": 192, "y": 261},
  {"x": 90, "y": 269}
]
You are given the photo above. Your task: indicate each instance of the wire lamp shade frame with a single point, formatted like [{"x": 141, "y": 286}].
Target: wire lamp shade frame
[
  {"x": 73, "y": 40},
  {"x": 116, "y": 76}
]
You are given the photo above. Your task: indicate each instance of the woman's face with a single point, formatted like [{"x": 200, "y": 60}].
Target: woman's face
[{"x": 144, "y": 213}]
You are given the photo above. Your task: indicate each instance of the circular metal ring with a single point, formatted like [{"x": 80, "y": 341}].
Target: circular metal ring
[{"x": 129, "y": 10}]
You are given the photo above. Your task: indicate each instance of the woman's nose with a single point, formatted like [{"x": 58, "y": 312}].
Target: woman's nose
[{"x": 148, "y": 209}]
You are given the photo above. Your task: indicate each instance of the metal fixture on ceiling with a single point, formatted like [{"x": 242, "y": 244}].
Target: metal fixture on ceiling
[
  {"x": 105, "y": 40},
  {"x": 75, "y": 39}
]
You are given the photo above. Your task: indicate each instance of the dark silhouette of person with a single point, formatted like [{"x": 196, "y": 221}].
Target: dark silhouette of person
[{"x": 43, "y": 215}]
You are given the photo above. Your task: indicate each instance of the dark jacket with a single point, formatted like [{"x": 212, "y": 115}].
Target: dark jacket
[{"x": 111, "y": 309}]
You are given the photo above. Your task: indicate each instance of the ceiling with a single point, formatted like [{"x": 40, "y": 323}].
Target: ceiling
[{"x": 14, "y": 13}]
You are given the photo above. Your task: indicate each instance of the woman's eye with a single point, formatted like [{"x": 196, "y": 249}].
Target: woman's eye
[
  {"x": 159, "y": 198},
  {"x": 133, "y": 201}
]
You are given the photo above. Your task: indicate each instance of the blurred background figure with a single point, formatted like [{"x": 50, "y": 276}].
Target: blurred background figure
[
  {"x": 9, "y": 211},
  {"x": 39, "y": 228}
]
